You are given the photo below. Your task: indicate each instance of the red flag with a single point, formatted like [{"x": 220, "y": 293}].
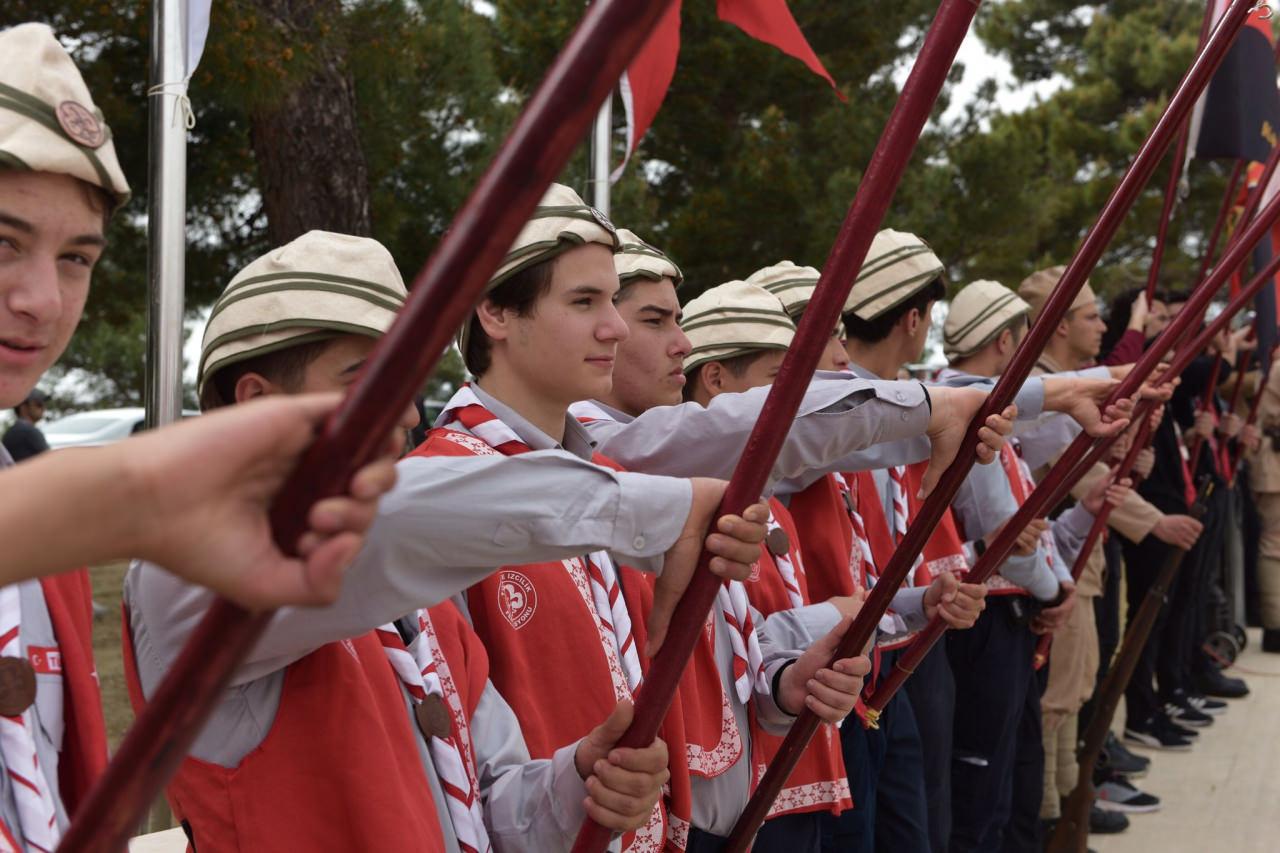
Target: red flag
[
  {"x": 771, "y": 22},
  {"x": 647, "y": 78},
  {"x": 645, "y": 82}
]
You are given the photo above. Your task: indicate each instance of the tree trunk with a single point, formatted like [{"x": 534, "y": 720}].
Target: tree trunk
[{"x": 312, "y": 169}]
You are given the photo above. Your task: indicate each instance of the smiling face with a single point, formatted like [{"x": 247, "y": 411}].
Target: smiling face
[
  {"x": 564, "y": 349},
  {"x": 51, "y": 236},
  {"x": 650, "y": 367}
]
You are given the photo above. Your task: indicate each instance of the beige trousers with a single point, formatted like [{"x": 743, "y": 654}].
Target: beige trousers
[
  {"x": 1060, "y": 765},
  {"x": 1269, "y": 558}
]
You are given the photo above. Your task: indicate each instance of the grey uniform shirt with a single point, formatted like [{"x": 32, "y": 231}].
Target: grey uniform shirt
[
  {"x": 37, "y": 630},
  {"x": 444, "y": 526},
  {"x": 844, "y": 423},
  {"x": 717, "y": 802}
]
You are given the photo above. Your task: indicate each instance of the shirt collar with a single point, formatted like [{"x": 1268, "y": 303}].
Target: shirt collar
[{"x": 576, "y": 440}]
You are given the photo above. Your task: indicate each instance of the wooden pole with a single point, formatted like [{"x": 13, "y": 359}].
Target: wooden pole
[{"x": 443, "y": 294}]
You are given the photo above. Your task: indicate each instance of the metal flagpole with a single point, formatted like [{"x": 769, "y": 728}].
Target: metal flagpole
[
  {"x": 601, "y": 136},
  {"x": 166, "y": 213}
]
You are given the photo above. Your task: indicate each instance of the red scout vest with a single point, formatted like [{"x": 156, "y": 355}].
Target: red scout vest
[
  {"x": 339, "y": 770},
  {"x": 819, "y": 781},
  {"x": 822, "y": 520},
  {"x": 548, "y": 657},
  {"x": 83, "y": 756}
]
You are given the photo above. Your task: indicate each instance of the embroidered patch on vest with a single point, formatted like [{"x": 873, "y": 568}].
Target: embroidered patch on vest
[{"x": 517, "y": 598}]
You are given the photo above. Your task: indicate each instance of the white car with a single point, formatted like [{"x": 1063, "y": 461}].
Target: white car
[{"x": 96, "y": 428}]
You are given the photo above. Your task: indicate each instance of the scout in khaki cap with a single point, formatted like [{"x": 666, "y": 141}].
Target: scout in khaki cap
[
  {"x": 59, "y": 181},
  {"x": 795, "y": 285},
  {"x": 638, "y": 261},
  {"x": 561, "y": 224},
  {"x": 1078, "y": 338},
  {"x": 980, "y": 315},
  {"x": 739, "y": 334}
]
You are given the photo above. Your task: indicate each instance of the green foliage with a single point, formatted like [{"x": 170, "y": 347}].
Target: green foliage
[{"x": 752, "y": 159}]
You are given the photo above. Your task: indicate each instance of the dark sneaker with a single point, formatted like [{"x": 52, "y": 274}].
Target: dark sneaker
[
  {"x": 1106, "y": 823},
  {"x": 1116, "y": 759},
  {"x": 1205, "y": 705},
  {"x": 1214, "y": 683},
  {"x": 1117, "y": 795},
  {"x": 1185, "y": 715},
  {"x": 1157, "y": 733},
  {"x": 1271, "y": 640}
]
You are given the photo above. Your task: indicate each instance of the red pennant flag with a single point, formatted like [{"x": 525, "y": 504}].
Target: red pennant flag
[
  {"x": 771, "y": 22},
  {"x": 645, "y": 83}
]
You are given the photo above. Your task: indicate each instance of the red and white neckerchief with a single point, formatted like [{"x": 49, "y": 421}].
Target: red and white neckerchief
[
  {"x": 731, "y": 598},
  {"x": 417, "y": 671},
  {"x": 901, "y": 514},
  {"x": 786, "y": 569},
  {"x": 1028, "y": 486},
  {"x": 862, "y": 562},
  {"x": 37, "y": 813},
  {"x": 611, "y": 608}
]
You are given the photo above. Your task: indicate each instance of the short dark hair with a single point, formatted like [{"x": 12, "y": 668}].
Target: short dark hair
[
  {"x": 874, "y": 331},
  {"x": 736, "y": 365},
  {"x": 285, "y": 367},
  {"x": 519, "y": 293}
]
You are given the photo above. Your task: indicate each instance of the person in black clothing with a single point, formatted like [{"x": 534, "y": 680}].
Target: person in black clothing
[{"x": 24, "y": 439}]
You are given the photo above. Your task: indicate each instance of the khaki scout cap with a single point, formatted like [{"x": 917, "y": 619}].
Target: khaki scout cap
[
  {"x": 979, "y": 312},
  {"x": 48, "y": 121},
  {"x": 734, "y": 319},
  {"x": 794, "y": 285},
  {"x": 898, "y": 266},
  {"x": 561, "y": 221},
  {"x": 637, "y": 260},
  {"x": 1036, "y": 288},
  {"x": 321, "y": 284}
]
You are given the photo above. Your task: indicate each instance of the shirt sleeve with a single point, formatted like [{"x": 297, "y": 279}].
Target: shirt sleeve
[
  {"x": 528, "y": 804},
  {"x": 447, "y": 524},
  {"x": 839, "y": 421},
  {"x": 1127, "y": 350},
  {"x": 1069, "y": 532}
]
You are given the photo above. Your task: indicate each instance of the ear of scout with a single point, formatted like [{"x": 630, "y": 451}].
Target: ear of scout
[
  {"x": 978, "y": 313},
  {"x": 319, "y": 285},
  {"x": 1035, "y": 289},
  {"x": 48, "y": 120},
  {"x": 734, "y": 319},
  {"x": 794, "y": 286},
  {"x": 560, "y": 222},
  {"x": 898, "y": 266},
  {"x": 636, "y": 260}
]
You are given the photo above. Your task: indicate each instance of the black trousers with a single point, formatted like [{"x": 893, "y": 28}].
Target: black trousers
[
  {"x": 998, "y": 754},
  {"x": 1190, "y": 599},
  {"x": 886, "y": 780},
  {"x": 1142, "y": 564},
  {"x": 792, "y": 833},
  {"x": 932, "y": 690}
]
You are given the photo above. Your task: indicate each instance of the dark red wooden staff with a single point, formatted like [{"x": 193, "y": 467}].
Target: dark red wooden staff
[
  {"x": 1055, "y": 308},
  {"x": 1080, "y": 455},
  {"x": 552, "y": 124},
  {"x": 884, "y": 172},
  {"x": 1224, "y": 211}
]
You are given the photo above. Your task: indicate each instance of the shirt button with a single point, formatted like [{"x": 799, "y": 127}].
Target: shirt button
[
  {"x": 638, "y": 543},
  {"x": 904, "y": 416},
  {"x": 900, "y": 396}
]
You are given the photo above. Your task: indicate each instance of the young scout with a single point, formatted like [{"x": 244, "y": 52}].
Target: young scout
[
  {"x": 999, "y": 755},
  {"x": 279, "y": 751},
  {"x": 59, "y": 182},
  {"x": 545, "y": 336},
  {"x": 738, "y": 333}
]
